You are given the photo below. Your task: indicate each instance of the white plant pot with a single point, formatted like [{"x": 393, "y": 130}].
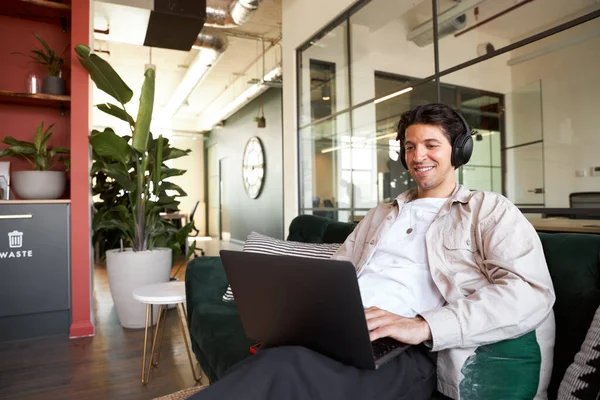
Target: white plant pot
[
  {"x": 33, "y": 185},
  {"x": 129, "y": 270}
]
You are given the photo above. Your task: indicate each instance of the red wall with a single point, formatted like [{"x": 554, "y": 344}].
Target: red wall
[{"x": 81, "y": 268}]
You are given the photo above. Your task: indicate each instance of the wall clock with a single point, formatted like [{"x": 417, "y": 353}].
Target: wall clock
[{"x": 253, "y": 167}]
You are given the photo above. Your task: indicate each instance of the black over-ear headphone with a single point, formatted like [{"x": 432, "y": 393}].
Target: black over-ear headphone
[{"x": 462, "y": 147}]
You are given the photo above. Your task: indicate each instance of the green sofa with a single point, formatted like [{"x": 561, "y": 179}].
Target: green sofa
[{"x": 218, "y": 338}]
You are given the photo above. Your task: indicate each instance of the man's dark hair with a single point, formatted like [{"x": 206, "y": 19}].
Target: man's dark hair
[{"x": 432, "y": 114}]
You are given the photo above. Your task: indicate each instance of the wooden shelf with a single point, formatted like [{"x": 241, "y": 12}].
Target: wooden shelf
[
  {"x": 38, "y": 99},
  {"x": 37, "y": 10}
]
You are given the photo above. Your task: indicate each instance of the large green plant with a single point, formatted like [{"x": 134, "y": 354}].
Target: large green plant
[
  {"x": 38, "y": 153},
  {"x": 129, "y": 172}
]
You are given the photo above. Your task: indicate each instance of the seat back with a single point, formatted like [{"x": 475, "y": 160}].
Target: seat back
[
  {"x": 194, "y": 211},
  {"x": 574, "y": 264},
  {"x": 585, "y": 200}
]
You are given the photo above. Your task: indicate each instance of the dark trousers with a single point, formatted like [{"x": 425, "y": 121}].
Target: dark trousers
[{"x": 296, "y": 373}]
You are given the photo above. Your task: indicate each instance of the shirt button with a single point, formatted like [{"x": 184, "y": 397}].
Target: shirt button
[
  {"x": 468, "y": 242},
  {"x": 389, "y": 218},
  {"x": 372, "y": 242}
]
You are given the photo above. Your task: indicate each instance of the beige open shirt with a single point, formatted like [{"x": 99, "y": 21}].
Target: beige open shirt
[{"x": 487, "y": 261}]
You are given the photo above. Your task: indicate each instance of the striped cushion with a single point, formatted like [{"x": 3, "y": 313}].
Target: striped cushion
[
  {"x": 258, "y": 243},
  {"x": 582, "y": 379}
]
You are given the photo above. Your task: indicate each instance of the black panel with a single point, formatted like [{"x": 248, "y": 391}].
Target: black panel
[
  {"x": 34, "y": 267},
  {"x": 175, "y": 24},
  {"x": 31, "y": 326}
]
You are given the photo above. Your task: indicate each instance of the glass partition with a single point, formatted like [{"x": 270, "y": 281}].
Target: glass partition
[
  {"x": 323, "y": 76},
  {"x": 474, "y": 28},
  {"x": 534, "y": 105},
  {"x": 379, "y": 45}
]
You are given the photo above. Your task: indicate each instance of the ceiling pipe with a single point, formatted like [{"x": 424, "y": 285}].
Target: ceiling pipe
[
  {"x": 229, "y": 13},
  {"x": 211, "y": 46},
  {"x": 219, "y": 14},
  {"x": 211, "y": 41}
]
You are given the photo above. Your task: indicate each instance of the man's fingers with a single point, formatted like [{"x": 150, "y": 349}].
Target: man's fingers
[
  {"x": 376, "y": 322},
  {"x": 379, "y": 333},
  {"x": 373, "y": 312}
]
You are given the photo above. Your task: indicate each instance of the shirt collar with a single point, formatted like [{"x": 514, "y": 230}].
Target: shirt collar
[{"x": 461, "y": 194}]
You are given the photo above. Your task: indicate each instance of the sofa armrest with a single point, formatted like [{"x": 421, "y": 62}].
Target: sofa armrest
[{"x": 205, "y": 282}]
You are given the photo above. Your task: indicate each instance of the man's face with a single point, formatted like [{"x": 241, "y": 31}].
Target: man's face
[{"x": 428, "y": 157}]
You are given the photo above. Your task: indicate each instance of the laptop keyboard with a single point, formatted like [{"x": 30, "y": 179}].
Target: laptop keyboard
[{"x": 383, "y": 346}]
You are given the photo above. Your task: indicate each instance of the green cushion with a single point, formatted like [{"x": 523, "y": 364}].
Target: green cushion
[
  {"x": 505, "y": 370},
  {"x": 218, "y": 338},
  {"x": 337, "y": 232},
  {"x": 219, "y": 334},
  {"x": 573, "y": 261},
  {"x": 308, "y": 229}
]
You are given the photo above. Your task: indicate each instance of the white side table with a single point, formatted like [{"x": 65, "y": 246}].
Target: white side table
[{"x": 163, "y": 294}]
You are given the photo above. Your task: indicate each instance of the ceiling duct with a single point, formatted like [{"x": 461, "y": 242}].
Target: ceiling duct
[
  {"x": 212, "y": 47},
  {"x": 229, "y": 13},
  {"x": 450, "y": 21}
]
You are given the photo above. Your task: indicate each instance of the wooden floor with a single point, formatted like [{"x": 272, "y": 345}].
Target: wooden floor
[{"x": 106, "y": 366}]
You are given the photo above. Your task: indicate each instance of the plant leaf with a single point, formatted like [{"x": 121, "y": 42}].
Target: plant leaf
[
  {"x": 158, "y": 163},
  {"x": 116, "y": 111},
  {"x": 37, "y": 140},
  {"x": 46, "y": 137},
  {"x": 109, "y": 144},
  {"x": 14, "y": 142},
  {"x": 119, "y": 174},
  {"x": 20, "y": 151},
  {"x": 62, "y": 150},
  {"x": 171, "y": 186},
  {"x": 172, "y": 153},
  {"x": 169, "y": 172},
  {"x": 103, "y": 75},
  {"x": 43, "y": 42},
  {"x": 144, "y": 117}
]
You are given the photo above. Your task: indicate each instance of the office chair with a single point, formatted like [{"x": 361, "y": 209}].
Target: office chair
[
  {"x": 192, "y": 220},
  {"x": 331, "y": 214},
  {"x": 585, "y": 200}
]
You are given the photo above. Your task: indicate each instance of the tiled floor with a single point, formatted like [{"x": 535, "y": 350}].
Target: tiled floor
[{"x": 106, "y": 366}]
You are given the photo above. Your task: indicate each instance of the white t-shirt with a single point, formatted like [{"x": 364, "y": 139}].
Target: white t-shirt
[{"x": 397, "y": 277}]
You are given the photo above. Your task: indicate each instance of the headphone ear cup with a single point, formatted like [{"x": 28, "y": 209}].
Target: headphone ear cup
[{"x": 462, "y": 149}]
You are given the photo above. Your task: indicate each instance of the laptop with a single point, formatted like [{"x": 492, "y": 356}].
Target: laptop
[{"x": 297, "y": 301}]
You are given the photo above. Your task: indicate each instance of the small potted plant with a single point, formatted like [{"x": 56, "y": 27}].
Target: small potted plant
[
  {"x": 52, "y": 62},
  {"x": 41, "y": 183}
]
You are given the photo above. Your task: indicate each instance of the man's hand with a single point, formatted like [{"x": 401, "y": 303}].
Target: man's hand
[{"x": 382, "y": 323}]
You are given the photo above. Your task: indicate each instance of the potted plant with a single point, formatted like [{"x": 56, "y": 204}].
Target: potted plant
[
  {"x": 130, "y": 175},
  {"x": 42, "y": 182},
  {"x": 52, "y": 62}
]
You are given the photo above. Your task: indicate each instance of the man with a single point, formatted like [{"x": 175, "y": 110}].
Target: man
[{"x": 442, "y": 268}]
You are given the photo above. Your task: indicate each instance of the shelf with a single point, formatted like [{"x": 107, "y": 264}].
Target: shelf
[
  {"x": 37, "y": 10},
  {"x": 38, "y": 99}
]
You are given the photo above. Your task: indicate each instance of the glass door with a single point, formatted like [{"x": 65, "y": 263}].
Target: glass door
[{"x": 524, "y": 146}]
